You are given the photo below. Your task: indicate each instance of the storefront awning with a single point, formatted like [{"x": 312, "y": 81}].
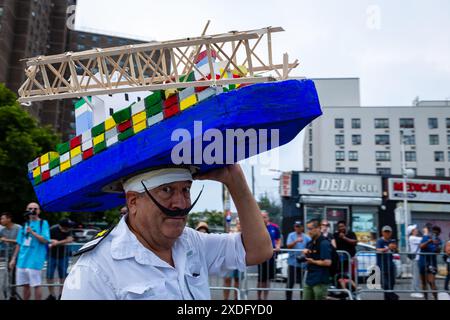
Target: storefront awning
[{"x": 368, "y": 201}]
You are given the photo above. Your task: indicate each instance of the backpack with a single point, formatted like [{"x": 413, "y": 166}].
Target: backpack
[{"x": 334, "y": 268}]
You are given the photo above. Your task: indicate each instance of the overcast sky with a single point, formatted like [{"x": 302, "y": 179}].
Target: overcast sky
[{"x": 399, "y": 49}]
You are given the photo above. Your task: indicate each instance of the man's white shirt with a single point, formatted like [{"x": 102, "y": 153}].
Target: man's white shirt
[{"x": 120, "y": 267}]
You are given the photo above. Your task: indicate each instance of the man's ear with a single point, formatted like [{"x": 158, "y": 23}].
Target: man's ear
[{"x": 131, "y": 197}]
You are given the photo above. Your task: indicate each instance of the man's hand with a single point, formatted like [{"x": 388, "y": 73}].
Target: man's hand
[
  {"x": 310, "y": 261},
  {"x": 2, "y": 239},
  {"x": 53, "y": 243},
  {"x": 29, "y": 230},
  {"x": 277, "y": 249},
  {"x": 341, "y": 235},
  {"x": 12, "y": 264}
]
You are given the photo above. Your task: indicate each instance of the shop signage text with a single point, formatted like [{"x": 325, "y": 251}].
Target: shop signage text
[
  {"x": 420, "y": 190},
  {"x": 340, "y": 185}
]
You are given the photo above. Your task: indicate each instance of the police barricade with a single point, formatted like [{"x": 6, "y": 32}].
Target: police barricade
[
  {"x": 227, "y": 286},
  {"x": 4, "y": 272},
  {"x": 278, "y": 277},
  {"x": 385, "y": 275},
  {"x": 59, "y": 260}
]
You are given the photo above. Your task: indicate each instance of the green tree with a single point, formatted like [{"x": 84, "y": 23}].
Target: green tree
[
  {"x": 274, "y": 209},
  {"x": 21, "y": 141},
  {"x": 214, "y": 219}
]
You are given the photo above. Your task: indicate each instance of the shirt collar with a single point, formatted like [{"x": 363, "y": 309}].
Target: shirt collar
[{"x": 125, "y": 245}]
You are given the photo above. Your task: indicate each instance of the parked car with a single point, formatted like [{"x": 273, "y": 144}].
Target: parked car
[
  {"x": 281, "y": 267},
  {"x": 366, "y": 257},
  {"x": 84, "y": 235}
]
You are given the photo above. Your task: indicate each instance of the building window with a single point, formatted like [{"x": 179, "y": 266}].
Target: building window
[
  {"x": 448, "y": 139},
  {"x": 340, "y": 155},
  {"x": 339, "y": 139},
  {"x": 339, "y": 123},
  {"x": 447, "y": 122},
  {"x": 382, "y": 139},
  {"x": 434, "y": 139},
  {"x": 440, "y": 172},
  {"x": 353, "y": 170},
  {"x": 409, "y": 140},
  {"x": 356, "y": 139},
  {"x": 310, "y": 135},
  {"x": 356, "y": 123},
  {"x": 432, "y": 123},
  {"x": 310, "y": 150},
  {"x": 95, "y": 38},
  {"x": 384, "y": 171},
  {"x": 406, "y": 123},
  {"x": 353, "y": 155},
  {"x": 439, "y": 156},
  {"x": 127, "y": 98},
  {"x": 448, "y": 155},
  {"x": 382, "y": 156},
  {"x": 111, "y": 111},
  {"x": 310, "y": 165},
  {"x": 81, "y": 47},
  {"x": 138, "y": 99},
  {"x": 381, "y": 123},
  {"x": 340, "y": 170},
  {"x": 410, "y": 156}
]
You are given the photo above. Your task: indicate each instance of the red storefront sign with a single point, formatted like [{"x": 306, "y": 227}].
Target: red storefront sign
[
  {"x": 286, "y": 180},
  {"x": 420, "y": 190}
]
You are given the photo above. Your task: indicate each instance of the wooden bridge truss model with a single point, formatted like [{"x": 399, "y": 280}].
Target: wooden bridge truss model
[{"x": 153, "y": 66}]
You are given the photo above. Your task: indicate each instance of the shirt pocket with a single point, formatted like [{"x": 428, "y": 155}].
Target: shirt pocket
[
  {"x": 198, "y": 286},
  {"x": 156, "y": 290}
]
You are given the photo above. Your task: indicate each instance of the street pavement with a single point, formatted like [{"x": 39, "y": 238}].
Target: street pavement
[{"x": 217, "y": 294}]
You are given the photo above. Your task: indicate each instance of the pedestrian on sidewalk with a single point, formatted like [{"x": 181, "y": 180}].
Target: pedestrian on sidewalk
[{"x": 414, "y": 248}]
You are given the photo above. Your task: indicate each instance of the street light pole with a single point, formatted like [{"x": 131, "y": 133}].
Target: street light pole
[{"x": 405, "y": 191}]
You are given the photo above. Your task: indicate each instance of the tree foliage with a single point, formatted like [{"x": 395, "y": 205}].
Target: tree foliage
[
  {"x": 22, "y": 140},
  {"x": 274, "y": 209},
  {"x": 214, "y": 219}
]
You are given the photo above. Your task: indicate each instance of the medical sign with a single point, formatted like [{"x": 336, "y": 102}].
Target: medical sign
[{"x": 420, "y": 190}]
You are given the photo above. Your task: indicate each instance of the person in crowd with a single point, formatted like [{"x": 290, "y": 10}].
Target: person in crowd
[
  {"x": 232, "y": 275},
  {"x": 430, "y": 246},
  {"x": 266, "y": 270},
  {"x": 447, "y": 260},
  {"x": 296, "y": 240},
  {"x": 60, "y": 237},
  {"x": 414, "y": 240},
  {"x": 31, "y": 252},
  {"x": 345, "y": 240},
  {"x": 385, "y": 247},
  {"x": 325, "y": 228},
  {"x": 8, "y": 236},
  {"x": 203, "y": 227},
  {"x": 123, "y": 211},
  {"x": 318, "y": 260}
]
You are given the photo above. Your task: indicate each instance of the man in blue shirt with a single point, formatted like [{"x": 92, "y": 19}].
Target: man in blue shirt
[
  {"x": 430, "y": 246},
  {"x": 318, "y": 260},
  {"x": 266, "y": 270},
  {"x": 296, "y": 240},
  {"x": 385, "y": 247},
  {"x": 31, "y": 252}
]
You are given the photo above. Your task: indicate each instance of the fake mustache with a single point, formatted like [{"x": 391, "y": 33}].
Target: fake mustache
[{"x": 174, "y": 212}]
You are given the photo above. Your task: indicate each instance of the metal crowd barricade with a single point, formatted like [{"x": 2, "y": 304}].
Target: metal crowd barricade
[
  {"x": 272, "y": 273},
  {"x": 389, "y": 273},
  {"x": 4, "y": 273},
  {"x": 53, "y": 257}
]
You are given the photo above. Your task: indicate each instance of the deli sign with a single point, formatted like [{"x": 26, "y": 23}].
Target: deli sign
[
  {"x": 285, "y": 185},
  {"x": 340, "y": 185},
  {"x": 420, "y": 190}
]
